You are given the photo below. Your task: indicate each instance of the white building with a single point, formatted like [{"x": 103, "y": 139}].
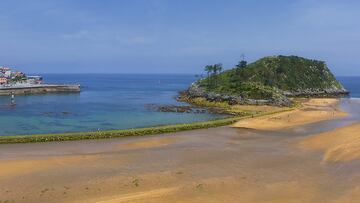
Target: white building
[
  {"x": 35, "y": 80},
  {"x": 7, "y": 73}
]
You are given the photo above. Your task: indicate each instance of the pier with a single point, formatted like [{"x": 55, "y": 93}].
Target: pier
[{"x": 37, "y": 89}]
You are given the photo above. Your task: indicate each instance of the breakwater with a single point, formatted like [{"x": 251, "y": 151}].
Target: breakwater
[{"x": 38, "y": 89}]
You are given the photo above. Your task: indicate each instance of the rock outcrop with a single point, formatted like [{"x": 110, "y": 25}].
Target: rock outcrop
[{"x": 196, "y": 91}]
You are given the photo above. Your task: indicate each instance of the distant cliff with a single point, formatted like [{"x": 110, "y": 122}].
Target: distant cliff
[{"x": 270, "y": 80}]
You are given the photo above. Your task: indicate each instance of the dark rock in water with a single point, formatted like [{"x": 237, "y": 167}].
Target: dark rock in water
[
  {"x": 174, "y": 108},
  {"x": 47, "y": 113},
  {"x": 56, "y": 114}
]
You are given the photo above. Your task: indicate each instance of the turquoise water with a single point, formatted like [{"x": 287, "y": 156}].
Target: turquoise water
[{"x": 107, "y": 101}]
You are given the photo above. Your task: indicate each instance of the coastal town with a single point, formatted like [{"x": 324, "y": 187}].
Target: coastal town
[
  {"x": 12, "y": 78},
  {"x": 14, "y": 82}
]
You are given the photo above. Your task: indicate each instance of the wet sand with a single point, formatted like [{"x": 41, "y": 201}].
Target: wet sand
[
  {"x": 340, "y": 145},
  {"x": 313, "y": 110},
  {"x": 224, "y": 164}
]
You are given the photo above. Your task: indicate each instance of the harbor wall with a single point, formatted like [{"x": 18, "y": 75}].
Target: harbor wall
[{"x": 41, "y": 89}]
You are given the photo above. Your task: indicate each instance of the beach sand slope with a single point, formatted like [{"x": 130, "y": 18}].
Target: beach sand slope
[
  {"x": 311, "y": 111},
  {"x": 339, "y": 145}
]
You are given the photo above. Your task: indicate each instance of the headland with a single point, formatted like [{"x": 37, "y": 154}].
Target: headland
[{"x": 271, "y": 80}]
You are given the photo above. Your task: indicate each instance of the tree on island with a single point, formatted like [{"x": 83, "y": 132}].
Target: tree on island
[
  {"x": 208, "y": 69},
  {"x": 212, "y": 72},
  {"x": 217, "y": 68},
  {"x": 238, "y": 74},
  {"x": 242, "y": 64}
]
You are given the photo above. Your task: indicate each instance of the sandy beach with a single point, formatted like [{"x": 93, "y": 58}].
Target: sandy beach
[
  {"x": 257, "y": 160},
  {"x": 340, "y": 145},
  {"x": 310, "y": 111}
]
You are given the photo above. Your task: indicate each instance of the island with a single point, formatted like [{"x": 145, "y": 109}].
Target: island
[
  {"x": 18, "y": 83},
  {"x": 271, "y": 80}
]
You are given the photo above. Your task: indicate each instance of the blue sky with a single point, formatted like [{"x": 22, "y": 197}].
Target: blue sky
[{"x": 171, "y": 36}]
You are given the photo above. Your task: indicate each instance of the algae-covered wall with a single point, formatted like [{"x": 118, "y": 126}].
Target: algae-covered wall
[{"x": 39, "y": 89}]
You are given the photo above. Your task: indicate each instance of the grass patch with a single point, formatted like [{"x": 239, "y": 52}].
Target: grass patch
[
  {"x": 127, "y": 132},
  {"x": 235, "y": 109},
  {"x": 199, "y": 101}
]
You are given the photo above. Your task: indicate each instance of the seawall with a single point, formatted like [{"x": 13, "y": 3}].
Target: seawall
[{"x": 39, "y": 89}]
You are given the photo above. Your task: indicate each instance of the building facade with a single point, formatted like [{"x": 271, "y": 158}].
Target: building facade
[{"x": 3, "y": 80}]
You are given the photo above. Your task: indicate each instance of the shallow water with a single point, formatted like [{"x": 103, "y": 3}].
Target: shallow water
[{"x": 107, "y": 101}]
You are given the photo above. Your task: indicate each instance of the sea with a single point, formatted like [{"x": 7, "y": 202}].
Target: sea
[{"x": 107, "y": 102}]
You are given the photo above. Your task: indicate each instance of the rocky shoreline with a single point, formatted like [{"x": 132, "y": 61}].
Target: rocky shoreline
[
  {"x": 175, "y": 108},
  {"x": 330, "y": 92},
  {"x": 282, "y": 99},
  {"x": 195, "y": 91}
]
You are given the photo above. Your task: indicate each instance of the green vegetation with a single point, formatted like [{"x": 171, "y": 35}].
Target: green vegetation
[
  {"x": 19, "y": 78},
  {"x": 128, "y": 132},
  {"x": 269, "y": 77},
  {"x": 226, "y": 108},
  {"x": 212, "y": 72},
  {"x": 242, "y": 64}
]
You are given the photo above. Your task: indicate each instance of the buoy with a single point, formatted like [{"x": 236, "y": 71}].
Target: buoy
[{"x": 12, "y": 99}]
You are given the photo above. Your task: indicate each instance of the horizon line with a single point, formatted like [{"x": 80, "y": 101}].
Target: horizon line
[{"x": 146, "y": 73}]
